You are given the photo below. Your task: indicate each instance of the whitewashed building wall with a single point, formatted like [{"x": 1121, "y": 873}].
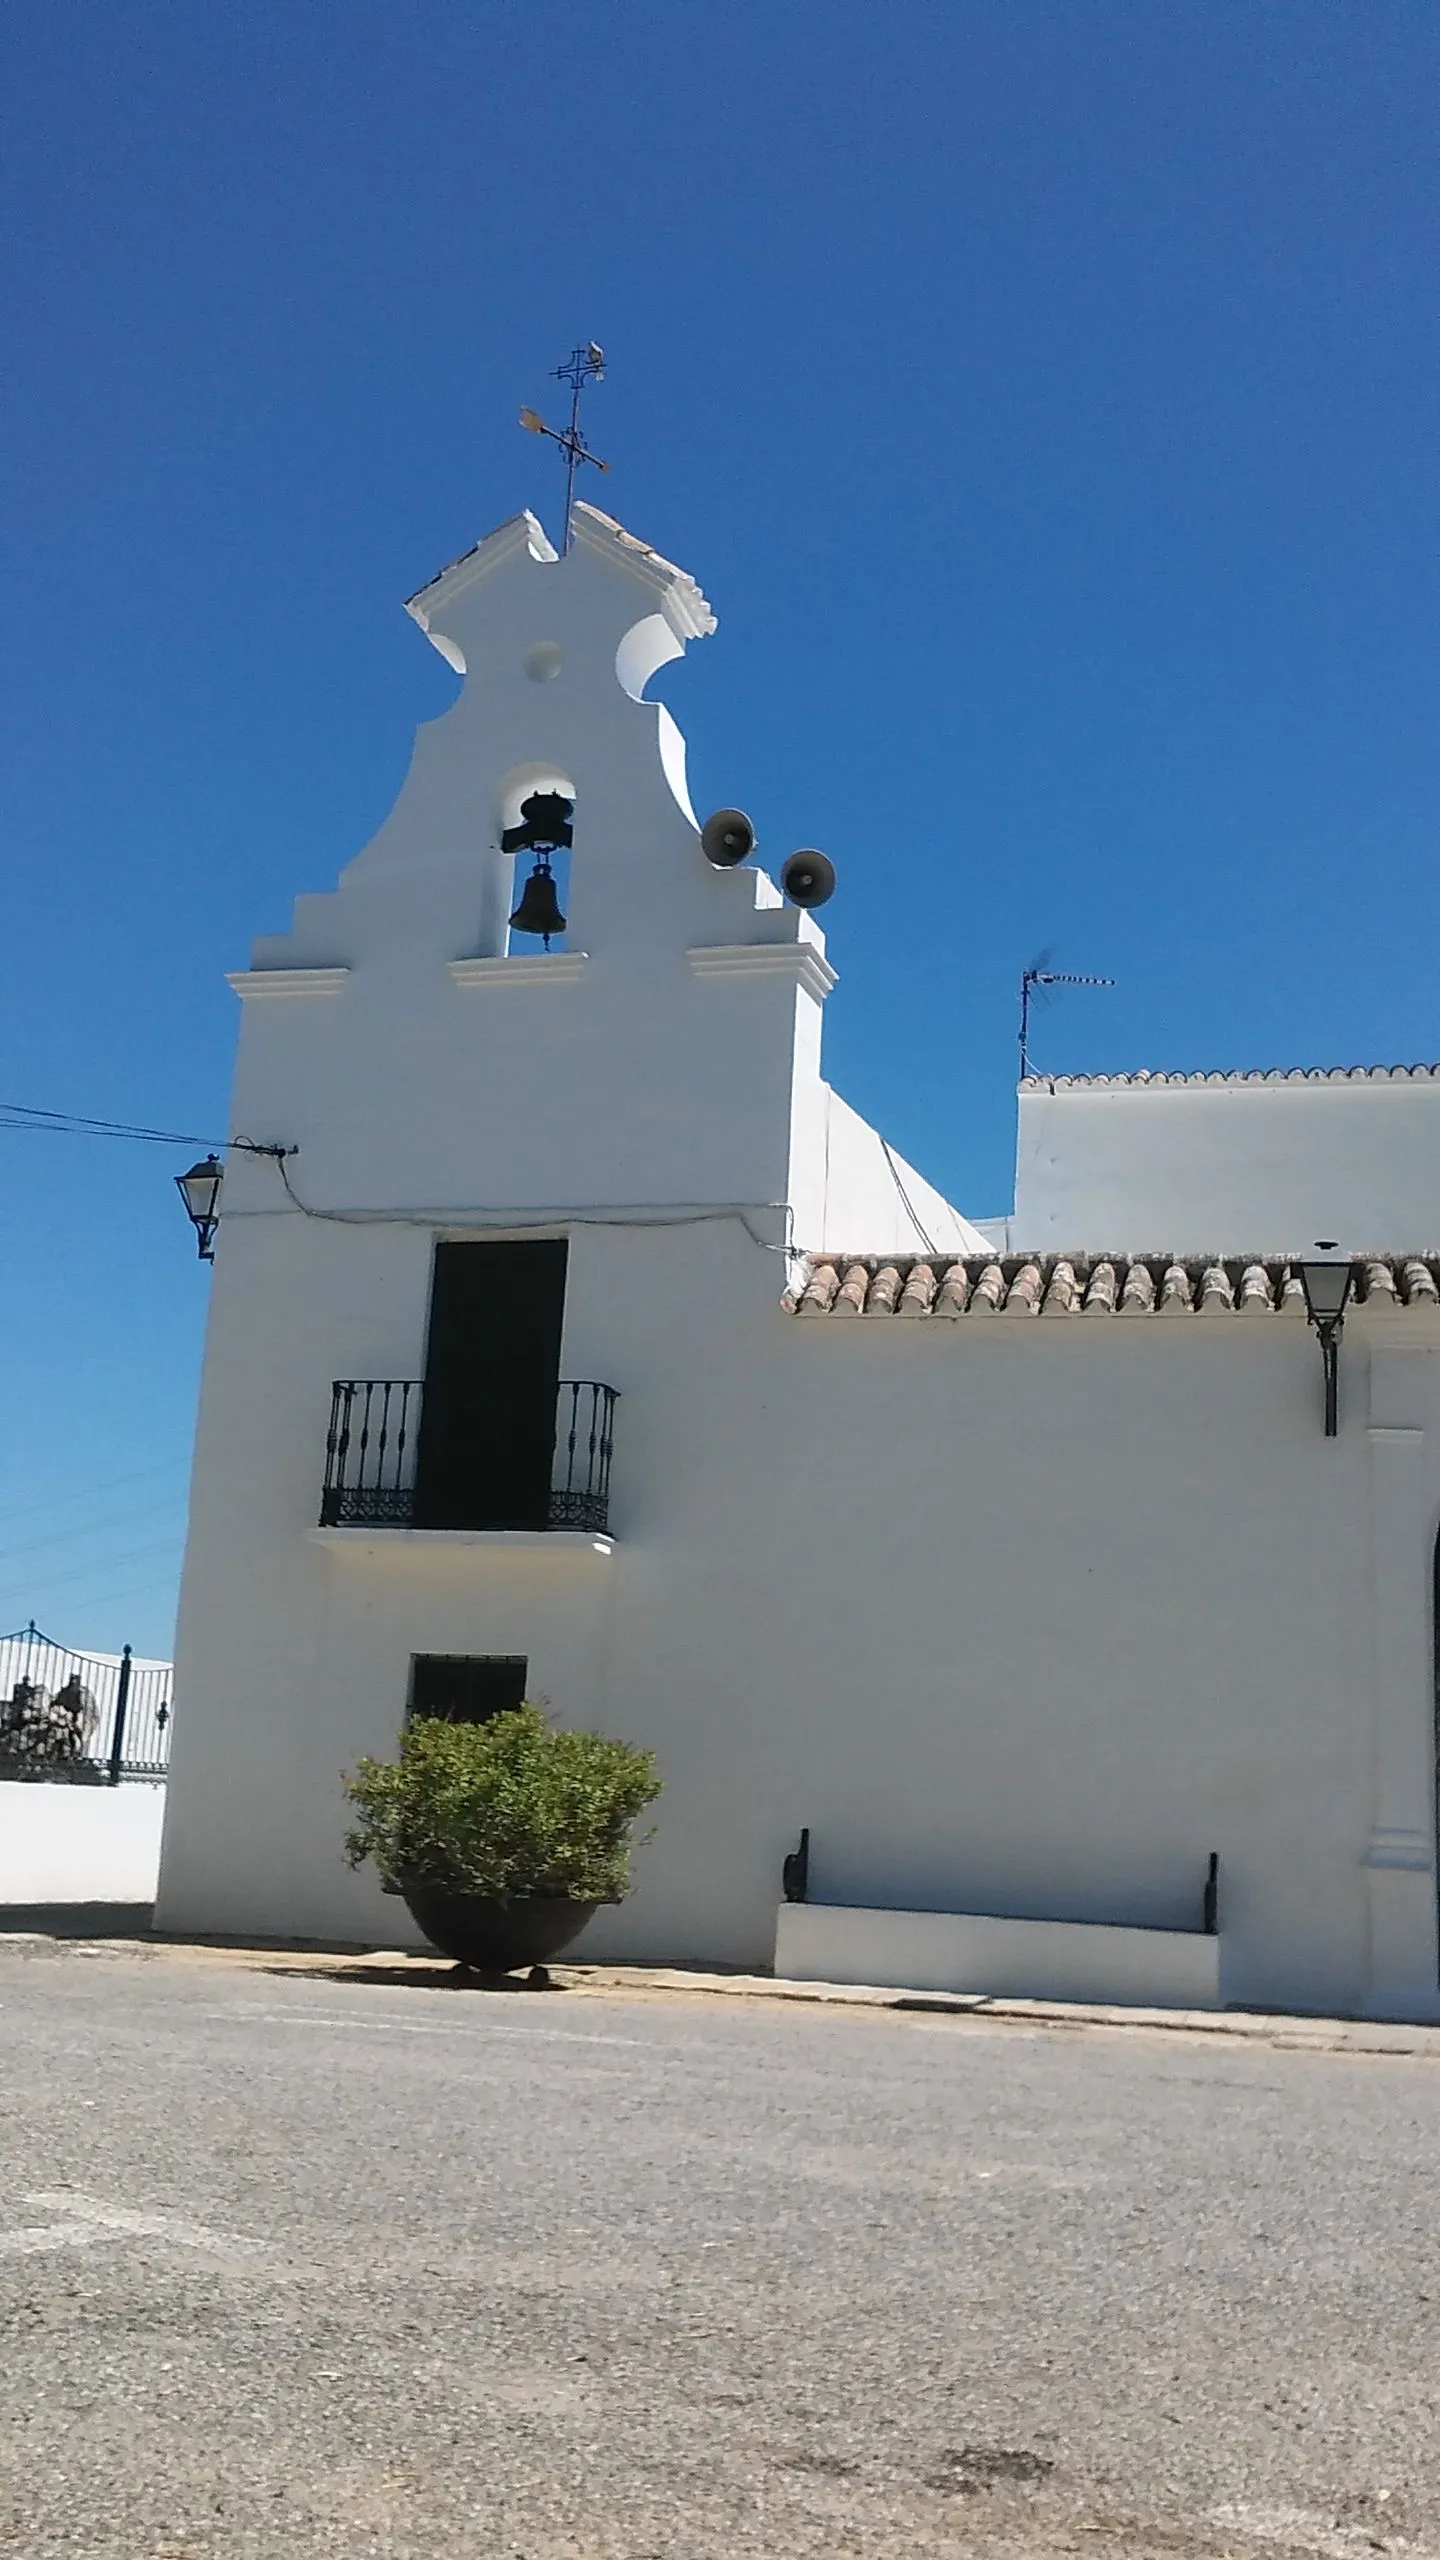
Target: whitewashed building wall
[{"x": 1023, "y": 1614}]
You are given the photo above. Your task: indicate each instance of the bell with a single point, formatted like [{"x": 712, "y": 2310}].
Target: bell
[
  {"x": 539, "y": 908},
  {"x": 545, "y": 824}
]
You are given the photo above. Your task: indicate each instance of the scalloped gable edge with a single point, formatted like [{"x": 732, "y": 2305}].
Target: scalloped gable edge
[
  {"x": 1147, "y": 1079},
  {"x": 687, "y": 611},
  {"x": 522, "y": 532},
  {"x": 676, "y": 593}
]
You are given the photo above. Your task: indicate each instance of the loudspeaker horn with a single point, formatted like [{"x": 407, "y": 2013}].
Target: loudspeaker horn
[
  {"x": 727, "y": 838},
  {"x": 808, "y": 879}
]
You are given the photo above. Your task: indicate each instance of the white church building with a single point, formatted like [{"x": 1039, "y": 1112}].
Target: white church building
[{"x": 588, "y": 1347}]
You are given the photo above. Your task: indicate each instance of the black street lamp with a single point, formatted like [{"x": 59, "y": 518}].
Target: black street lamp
[
  {"x": 1327, "y": 1292},
  {"x": 200, "y": 1191}
]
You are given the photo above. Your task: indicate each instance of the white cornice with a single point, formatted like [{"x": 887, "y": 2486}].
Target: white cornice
[
  {"x": 798, "y": 960},
  {"x": 520, "y": 969},
  {"x": 685, "y": 609},
  {"x": 518, "y": 533},
  {"x": 398, "y": 1541},
  {"x": 287, "y": 982},
  {"x": 1233, "y": 1079}
]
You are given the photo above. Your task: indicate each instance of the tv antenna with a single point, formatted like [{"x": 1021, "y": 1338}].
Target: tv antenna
[
  {"x": 585, "y": 364},
  {"x": 1040, "y": 975}
]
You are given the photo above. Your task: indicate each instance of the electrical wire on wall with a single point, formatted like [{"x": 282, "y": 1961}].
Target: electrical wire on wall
[
  {"x": 643, "y": 1214},
  {"x": 911, "y": 1212},
  {"x": 24, "y": 1116}
]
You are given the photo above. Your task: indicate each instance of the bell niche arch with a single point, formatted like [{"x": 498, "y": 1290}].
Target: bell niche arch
[{"x": 530, "y": 848}]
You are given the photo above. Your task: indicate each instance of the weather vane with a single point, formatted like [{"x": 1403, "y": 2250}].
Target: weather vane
[{"x": 586, "y": 364}]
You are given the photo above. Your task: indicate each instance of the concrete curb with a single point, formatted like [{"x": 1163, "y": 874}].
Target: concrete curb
[
  {"x": 1327, "y": 2035},
  {"x": 388, "y": 1965}
]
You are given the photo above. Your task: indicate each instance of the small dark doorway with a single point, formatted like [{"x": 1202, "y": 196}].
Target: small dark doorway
[
  {"x": 492, "y": 1370},
  {"x": 466, "y": 1688}
]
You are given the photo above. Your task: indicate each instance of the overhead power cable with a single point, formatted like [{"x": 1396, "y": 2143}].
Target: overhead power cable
[
  {"x": 911, "y": 1212},
  {"x": 82, "y": 1533},
  {"x": 52, "y": 1502},
  {"x": 83, "y": 1124},
  {"x": 97, "y": 1570}
]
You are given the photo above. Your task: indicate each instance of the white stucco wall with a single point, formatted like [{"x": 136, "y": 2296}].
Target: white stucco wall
[
  {"x": 1258, "y": 1165},
  {"x": 1022, "y": 1619},
  {"x": 999, "y": 1959},
  {"x": 69, "y": 1844},
  {"x": 847, "y": 1183}
]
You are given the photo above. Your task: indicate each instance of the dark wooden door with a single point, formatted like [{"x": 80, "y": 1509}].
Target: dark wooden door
[{"x": 492, "y": 1368}]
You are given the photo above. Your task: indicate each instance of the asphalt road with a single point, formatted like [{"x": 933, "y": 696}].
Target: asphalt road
[{"x": 295, "y": 2266}]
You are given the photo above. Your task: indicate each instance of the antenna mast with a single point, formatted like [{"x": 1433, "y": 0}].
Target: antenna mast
[
  {"x": 585, "y": 365},
  {"x": 1038, "y": 977}
]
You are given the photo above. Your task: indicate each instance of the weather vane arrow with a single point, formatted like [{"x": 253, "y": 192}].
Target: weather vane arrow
[{"x": 586, "y": 364}]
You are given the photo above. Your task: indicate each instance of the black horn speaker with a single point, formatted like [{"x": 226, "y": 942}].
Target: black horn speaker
[
  {"x": 808, "y": 879},
  {"x": 727, "y": 838}
]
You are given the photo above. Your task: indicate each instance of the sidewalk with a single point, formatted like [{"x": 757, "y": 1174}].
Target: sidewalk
[{"x": 393, "y": 1969}]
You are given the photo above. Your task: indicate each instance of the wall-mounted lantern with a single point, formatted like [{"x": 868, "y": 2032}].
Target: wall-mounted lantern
[
  {"x": 1327, "y": 1293},
  {"x": 200, "y": 1191}
]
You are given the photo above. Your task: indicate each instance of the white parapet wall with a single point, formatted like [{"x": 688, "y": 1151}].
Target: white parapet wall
[
  {"x": 1006, "y": 1959},
  {"x": 68, "y": 1844},
  {"x": 1225, "y": 1163}
]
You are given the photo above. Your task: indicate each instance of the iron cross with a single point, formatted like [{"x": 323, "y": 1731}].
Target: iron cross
[{"x": 586, "y": 364}]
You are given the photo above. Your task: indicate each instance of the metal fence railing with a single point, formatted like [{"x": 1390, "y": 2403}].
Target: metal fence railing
[
  {"x": 94, "y": 1718},
  {"x": 373, "y": 1442}
]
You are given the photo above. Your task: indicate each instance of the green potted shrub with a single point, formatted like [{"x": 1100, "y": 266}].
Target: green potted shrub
[{"x": 504, "y": 1838}]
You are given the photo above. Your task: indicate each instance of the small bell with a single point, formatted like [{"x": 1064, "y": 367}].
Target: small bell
[{"x": 539, "y": 908}]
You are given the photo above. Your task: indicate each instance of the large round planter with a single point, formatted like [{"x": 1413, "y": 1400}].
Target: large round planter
[{"x": 496, "y": 1937}]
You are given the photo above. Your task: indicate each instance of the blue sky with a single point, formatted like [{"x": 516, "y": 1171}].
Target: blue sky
[{"x": 1045, "y": 396}]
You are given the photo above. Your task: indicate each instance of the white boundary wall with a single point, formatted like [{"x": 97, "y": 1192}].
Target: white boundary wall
[{"x": 79, "y": 1844}]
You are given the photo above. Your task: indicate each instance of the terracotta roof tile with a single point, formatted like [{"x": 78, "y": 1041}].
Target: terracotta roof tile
[
  {"x": 989, "y": 1291},
  {"x": 885, "y": 1288},
  {"x": 1023, "y": 1298},
  {"x": 1064, "y": 1285},
  {"x": 1102, "y": 1290},
  {"x": 918, "y": 1295},
  {"x": 1175, "y": 1297},
  {"x": 1216, "y": 1298}
]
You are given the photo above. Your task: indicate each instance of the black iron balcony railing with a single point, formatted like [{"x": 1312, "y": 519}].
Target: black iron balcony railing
[{"x": 374, "y": 1441}]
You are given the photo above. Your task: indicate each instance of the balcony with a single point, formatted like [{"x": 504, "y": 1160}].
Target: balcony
[{"x": 374, "y": 1462}]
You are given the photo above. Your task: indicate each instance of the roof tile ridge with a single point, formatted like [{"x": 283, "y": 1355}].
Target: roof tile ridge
[{"x": 1400, "y": 1071}]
